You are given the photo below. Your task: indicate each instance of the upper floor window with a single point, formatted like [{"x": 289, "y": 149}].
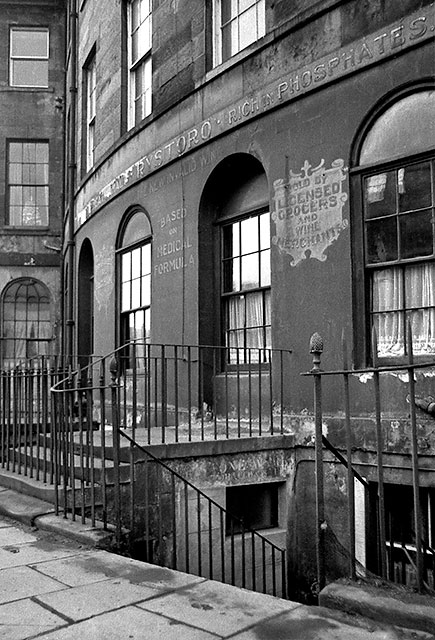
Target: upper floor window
[
  {"x": 396, "y": 177},
  {"x": 139, "y": 60},
  {"x": 29, "y": 52},
  {"x": 237, "y": 24},
  {"x": 91, "y": 110},
  {"x": 27, "y": 184}
]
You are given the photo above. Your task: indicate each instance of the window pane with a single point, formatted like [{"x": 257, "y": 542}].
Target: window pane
[
  {"x": 387, "y": 289},
  {"x": 228, "y": 10},
  {"x": 125, "y": 296},
  {"x": 30, "y": 73},
  {"x": 250, "y": 271},
  {"x": 254, "y": 309},
  {"x": 15, "y": 173},
  {"x": 41, "y": 152},
  {"x": 126, "y": 267},
  {"x": 389, "y": 329},
  {"x": 414, "y": 184},
  {"x": 249, "y": 233},
  {"x": 416, "y": 236},
  {"x": 41, "y": 173},
  {"x": 15, "y": 195},
  {"x": 43, "y": 216},
  {"x": 230, "y": 238},
  {"x": 235, "y": 312},
  {"x": 420, "y": 285},
  {"x": 380, "y": 194},
  {"x": 231, "y": 275},
  {"x": 15, "y": 152},
  {"x": 382, "y": 240},
  {"x": 245, "y": 4},
  {"x": 135, "y": 263},
  {"x": 29, "y": 43},
  {"x": 135, "y": 294},
  {"x": 144, "y": 37},
  {"x": 423, "y": 331},
  {"x": 29, "y": 152},
  {"x": 146, "y": 291},
  {"x": 230, "y": 44},
  {"x": 41, "y": 196},
  {"x": 138, "y": 228},
  {"x": 248, "y": 32},
  {"x": 147, "y": 315}
]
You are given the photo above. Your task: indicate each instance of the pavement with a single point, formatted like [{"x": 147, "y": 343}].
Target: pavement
[{"x": 60, "y": 586}]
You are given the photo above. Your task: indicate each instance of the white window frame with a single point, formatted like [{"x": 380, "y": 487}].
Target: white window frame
[
  {"x": 218, "y": 57},
  {"x": 13, "y": 57},
  {"x": 141, "y": 64},
  {"x": 91, "y": 112},
  {"x": 28, "y": 207}
]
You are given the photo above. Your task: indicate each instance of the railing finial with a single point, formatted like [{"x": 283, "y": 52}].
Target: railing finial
[
  {"x": 316, "y": 348},
  {"x": 114, "y": 368}
]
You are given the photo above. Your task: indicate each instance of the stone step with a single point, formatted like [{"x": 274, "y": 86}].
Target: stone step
[{"x": 383, "y": 602}]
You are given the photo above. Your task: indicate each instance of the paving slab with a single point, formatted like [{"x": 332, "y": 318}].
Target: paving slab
[
  {"x": 25, "y": 619},
  {"x": 80, "y": 569},
  {"x": 129, "y": 623},
  {"x": 33, "y": 553},
  {"x": 15, "y": 536},
  {"x": 218, "y": 608},
  {"x": 83, "y": 602},
  {"x": 23, "y": 582},
  {"x": 111, "y": 565}
]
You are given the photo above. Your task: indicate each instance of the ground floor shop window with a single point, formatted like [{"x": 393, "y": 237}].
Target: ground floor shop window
[
  {"x": 246, "y": 288},
  {"x": 393, "y": 229},
  {"x": 135, "y": 287}
]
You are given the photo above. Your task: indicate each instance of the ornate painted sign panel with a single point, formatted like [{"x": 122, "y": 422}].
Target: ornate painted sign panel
[{"x": 308, "y": 210}]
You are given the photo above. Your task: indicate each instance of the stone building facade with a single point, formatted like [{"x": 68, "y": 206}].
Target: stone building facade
[
  {"x": 272, "y": 164},
  {"x": 31, "y": 178}
]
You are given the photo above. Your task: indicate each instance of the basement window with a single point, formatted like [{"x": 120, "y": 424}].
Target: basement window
[{"x": 253, "y": 506}]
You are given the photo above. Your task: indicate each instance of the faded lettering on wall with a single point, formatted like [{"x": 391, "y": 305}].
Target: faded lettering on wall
[
  {"x": 308, "y": 210},
  {"x": 387, "y": 42},
  {"x": 175, "y": 253}
]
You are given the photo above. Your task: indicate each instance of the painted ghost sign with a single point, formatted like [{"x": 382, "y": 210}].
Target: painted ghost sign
[{"x": 308, "y": 209}]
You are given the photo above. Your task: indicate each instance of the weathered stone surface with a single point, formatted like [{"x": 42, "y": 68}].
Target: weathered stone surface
[
  {"x": 22, "y": 582},
  {"x": 218, "y": 608},
  {"x": 25, "y": 619},
  {"x": 93, "y": 599}
]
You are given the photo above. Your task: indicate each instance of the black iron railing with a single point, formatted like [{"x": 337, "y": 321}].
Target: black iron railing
[
  {"x": 26, "y": 420},
  {"x": 162, "y": 516},
  {"x": 399, "y": 561}
]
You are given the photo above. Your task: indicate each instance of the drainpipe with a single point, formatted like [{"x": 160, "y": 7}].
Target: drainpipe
[{"x": 72, "y": 170}]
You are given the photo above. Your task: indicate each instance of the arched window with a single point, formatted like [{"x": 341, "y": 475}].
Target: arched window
[
  {"x": 134, "y": 269},
  {"x": 26, "y": 322},
  {"x": 241, "y": 211},
  {"x": 394, "y": 230}
]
